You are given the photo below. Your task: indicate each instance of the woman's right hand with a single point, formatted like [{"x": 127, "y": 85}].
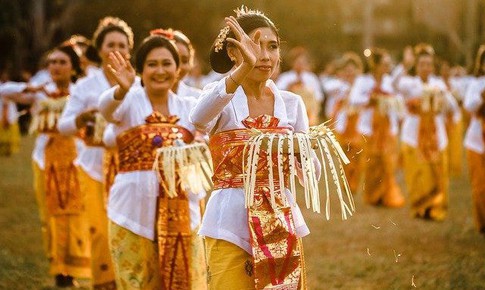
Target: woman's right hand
[
  {"x": 250, "y": 49},
  {"x": 86, "y": 117},
  {"x": 122, "y": 72}
]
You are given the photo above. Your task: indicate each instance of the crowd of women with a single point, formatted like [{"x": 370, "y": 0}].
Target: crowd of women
[{"x": 99, "y": 119}]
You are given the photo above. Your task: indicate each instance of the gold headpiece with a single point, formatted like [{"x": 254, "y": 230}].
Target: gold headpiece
[
  {"x": 244, "y": 10},
  {"x": 240, "y": 11}
]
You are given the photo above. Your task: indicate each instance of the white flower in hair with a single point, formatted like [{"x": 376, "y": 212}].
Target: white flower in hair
[{"x": 219, "y": 44}]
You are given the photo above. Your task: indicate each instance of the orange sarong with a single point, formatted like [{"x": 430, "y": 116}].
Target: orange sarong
[
  {"x": 381, "y": 153},
  {"x": 476, "y": 163},
  {"x": 277, "y": 252}
]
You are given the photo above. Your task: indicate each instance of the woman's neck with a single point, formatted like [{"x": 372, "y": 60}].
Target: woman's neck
[
  {"x": 63, "y": 85},
  {"x": 378, "y": 76},
  {"x": 424, "y": 79},
  {"x": 254, "y": 89},
  {"x": 158, "y": 98}
]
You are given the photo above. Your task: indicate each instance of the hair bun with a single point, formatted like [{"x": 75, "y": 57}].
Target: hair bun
[{"x": 219, "y": 60}]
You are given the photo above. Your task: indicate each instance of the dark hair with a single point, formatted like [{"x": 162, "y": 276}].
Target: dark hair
[
  {"x": 150, "y": 43},
  {"x": 375, "y": 57},
  {"x": 249, "y": 21},
  {"x": 179, "y": 37},
  {"x": 74, "y": 57},
  {"x": 92, "y": 54},
  {"x": 422, "y": 49},
  {"x": 478, "y": 71},
  {"x": 89, "y": 51},
  {"x": 110, "y": 24}
]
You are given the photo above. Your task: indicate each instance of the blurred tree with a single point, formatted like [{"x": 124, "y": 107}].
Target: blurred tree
[{"x": 326, "y": 27}]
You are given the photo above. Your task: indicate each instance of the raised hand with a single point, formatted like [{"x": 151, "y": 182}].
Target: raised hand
[
  {"x": 86, "y": 117},
  {"x": 250, "y": 49},
  {"x": 121, "y": 70}
]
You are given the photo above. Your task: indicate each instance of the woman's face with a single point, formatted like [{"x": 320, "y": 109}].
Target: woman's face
[
  {"x": 114, "y": 41},
  {"x": 269, "y": 58},
  {"x": 159, "y": 71},
  {"x": 301, "y": 63},
  {"x": 350, "y": 72},
  {"x": 59, "y": 66},
  {"x": 424, "y": 66},
  {"x": 384, "y": 66},
  {"x": 185, "y": 60}
]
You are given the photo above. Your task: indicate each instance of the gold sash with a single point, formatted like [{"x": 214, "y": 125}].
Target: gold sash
[
  {"x": 137, "y": 151},
  {"x": 277, "y": 254}
]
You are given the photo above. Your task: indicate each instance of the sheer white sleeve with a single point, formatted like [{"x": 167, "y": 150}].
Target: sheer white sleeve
[{"x": 211, "y": 102}]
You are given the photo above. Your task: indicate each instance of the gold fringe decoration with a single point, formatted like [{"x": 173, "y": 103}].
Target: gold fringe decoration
[
  {"x": 193, "y": 162},
  {"x": 303, "y": 146}
]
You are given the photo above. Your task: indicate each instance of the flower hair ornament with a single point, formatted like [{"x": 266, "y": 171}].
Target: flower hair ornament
[
  {"x": 240, "y": 12},
  {"x": 219, "y": 44},
  {"x": 167, "y": 33}
]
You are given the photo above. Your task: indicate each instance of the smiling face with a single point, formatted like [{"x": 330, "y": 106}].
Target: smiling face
[
  {"x": 269, "y": 58},
  {"x": 114, "y": 41},
  {"x": 60, "y": 66},
  {"x": 301, "y": 64},
  {"x": 424, "y": 66},
  {"x": 159, "y": 71},
  {"x": 349, "y": 72},
  {"x": 384, "y": 66}
]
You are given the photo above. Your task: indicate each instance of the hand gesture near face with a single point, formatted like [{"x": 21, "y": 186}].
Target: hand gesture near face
[
  {"x": 122, "y": 72},
  {"x": 250, "y": 49},
  {"x": 83, "y": 119}
]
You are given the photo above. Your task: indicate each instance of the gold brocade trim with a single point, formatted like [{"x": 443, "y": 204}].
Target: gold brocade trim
[
  {"x": 110, "y": 170},
  {"x": 137, "y": 146},
  {"x": 227, "y": 149},
  {"x": 174, "y": 239},
  {"x": 276, "y": 252},
  {"x": 63, "y": 194}
]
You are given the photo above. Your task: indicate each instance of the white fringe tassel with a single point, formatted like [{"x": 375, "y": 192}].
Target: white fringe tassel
[
  {"x": 49, "y": 112},
  {"x": 193, "y": 163},
  {"x": 328, "y": 151}
]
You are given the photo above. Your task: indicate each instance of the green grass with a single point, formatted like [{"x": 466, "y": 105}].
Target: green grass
[{"x": 447, "y": 255}]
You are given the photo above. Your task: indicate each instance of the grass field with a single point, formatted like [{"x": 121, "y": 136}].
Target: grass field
[{"x": 377, "y": 248}]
